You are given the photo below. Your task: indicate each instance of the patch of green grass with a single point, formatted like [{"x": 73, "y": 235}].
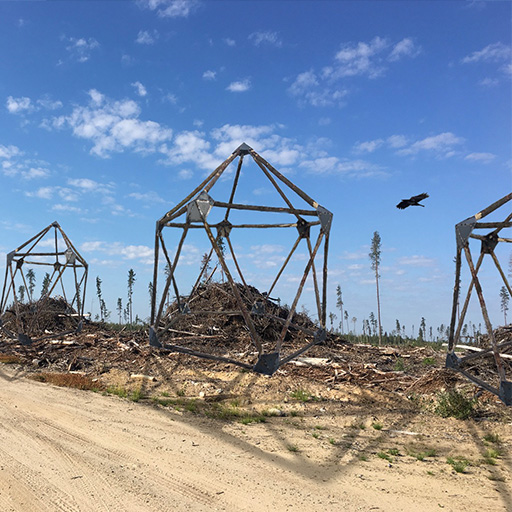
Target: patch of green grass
[
  {"x": 490, "y": 456},
  {"x": 431, "y": 473},
  {"x": 332, "y": 441},
  {"x": 116, "y": 390},
  {"x": 135, "y": 395},
  {"x": 423, "y": 455},
  {"x": 301, "y": 394},
  {"x": 294, "y": 413},
  {"x": 377, "y": 425},
  {"x": 363, "y": 457},
  {"x": 181, "y": 392},
  {"x": 320, "y": 427},
  {"x": 454, "y": 404},
  {"x": 292, "y": 448},
  {"x": 385, "y": 456},
  {"x": 316, "y": 435},
  {"x": 459, "y": 464},
  {"x": 394, "y": 451},
  {"x": 492, "y": 438},
  {"x": 428, "y": 361}
]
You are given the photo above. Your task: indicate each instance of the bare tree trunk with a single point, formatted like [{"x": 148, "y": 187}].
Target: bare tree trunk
[{"x": 378, "y": 303}]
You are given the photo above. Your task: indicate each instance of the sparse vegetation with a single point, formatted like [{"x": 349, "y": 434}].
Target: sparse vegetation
[
  {"x": 454, "y": 404},
  {"x": 292, "y": 448},
  {"x": 385, "y": 456},
  {"x": 301, "y": 394},
  {"x": 377, "y": 425},
  {"x": 459, "y": 464}
]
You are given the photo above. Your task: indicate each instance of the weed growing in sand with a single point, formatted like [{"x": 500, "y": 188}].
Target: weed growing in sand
[
  {"x": 459, "y": 464},
  {"x": 423, "y": 455},
  {"x": 454, "y": 404},
  {"x": 332, "y": 441},
  {"x": 301, "y": 395},
  {"x": 490, "y": 456},
  {"x": 116, "y": 390},
  {"x": 492, "y": 438},
  {"x": 316, "y": 435},
  {"x": 292, "y": 448},
  {"x": 394, "y": 451},
  {"x": 363, "y": 457},
  {"x": 385, "y": 456},
  {"x": 377, "y": 425}
]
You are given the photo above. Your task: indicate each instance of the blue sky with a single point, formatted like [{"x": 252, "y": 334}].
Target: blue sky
[{"x": 112, "y": 112}]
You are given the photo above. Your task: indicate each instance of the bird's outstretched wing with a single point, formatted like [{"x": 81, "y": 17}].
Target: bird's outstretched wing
[
  {"x": 419, "y": 197},
  {"x": 413, "y": 201},
  {"x": 403, "y": 204}
]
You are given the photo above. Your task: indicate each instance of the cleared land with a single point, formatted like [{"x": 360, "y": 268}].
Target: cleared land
[{"x": 355, "y": 429}]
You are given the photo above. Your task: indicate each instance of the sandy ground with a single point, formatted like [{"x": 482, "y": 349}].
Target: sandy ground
[{"x": 68, "y": 450}]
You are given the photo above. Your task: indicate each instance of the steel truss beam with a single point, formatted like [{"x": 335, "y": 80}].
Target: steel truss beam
[
  {"x": 464, "y": 232},
  {"x": 196, "y": 208},
  {"x": 61, "y": 257}
]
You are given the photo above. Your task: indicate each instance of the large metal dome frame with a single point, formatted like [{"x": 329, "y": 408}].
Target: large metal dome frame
[
  {"x": 45, "y": 249},
  {"x": 491, "y": 237},
  {"x": 195, "y": 209}
]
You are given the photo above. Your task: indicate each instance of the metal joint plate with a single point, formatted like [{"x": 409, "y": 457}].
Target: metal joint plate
[
  {"x": 325, "y": 217},
  {"x": 463, "y": 230}
]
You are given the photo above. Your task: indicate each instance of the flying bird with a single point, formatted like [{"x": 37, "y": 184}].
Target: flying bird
[{"x": 413, "y": 201}]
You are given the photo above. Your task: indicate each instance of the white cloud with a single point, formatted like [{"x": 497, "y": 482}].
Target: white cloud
[
  {"x": 359, "y": 59},
  {"x": 171, "y": 8},
  {"x": 229, "y": 42},
  {"x": 148, "y": 197},
  {"x": 496, "y": 52},
  {"x": 191, "y": 146},
  {"x": 209, "y": 75},
  {"x": 368, "y": 147},
  {"x": 35, "y": 173},
  {"x": 240, "y": 86},
  {"x": 350, "y": 168},
  {"x": 9, "y": 152},
  {"x": 262, "y": 38},
  {"x": 146, "y": 37},
  {"x": 42, "y": 193},
  {"x": 394, "y": 141},
  {"x": 19, "y": 105},
  {"x": 397, "y": 141},
  {"x": 404, "y": 48},
  {"x": 80, "y": 48},
  {"x": 484, "y": 158},
  {"x": 49, "y": 104},
  {"x": 365, "y": 59},
  {"x": 306, "y": 88},
  {"x": 443, "y": 144},
  {"x": 66, "y": 208},
  {"x": 113, "y": 126},
  {"x": 143, "y": 253},
  {"x": 141, "y": 90},
  {"x": 185, "y": 174},
  {"x": 416, "y": 261}
]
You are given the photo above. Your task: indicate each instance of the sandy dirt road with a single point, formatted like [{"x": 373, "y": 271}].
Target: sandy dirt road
[{"x": 68, "y": 450}]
